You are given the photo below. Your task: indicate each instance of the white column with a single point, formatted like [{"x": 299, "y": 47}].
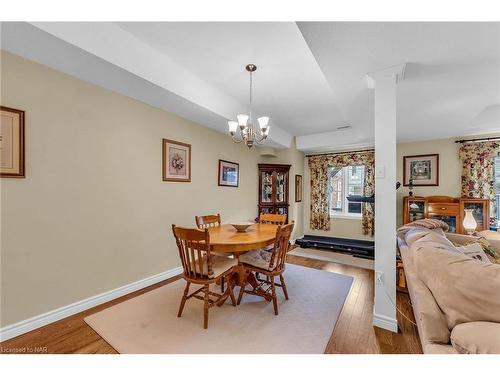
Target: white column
[{"x": 385, "y": 84}]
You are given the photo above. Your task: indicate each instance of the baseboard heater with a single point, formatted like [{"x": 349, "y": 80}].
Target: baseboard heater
[{"x": 358, "y": 248}]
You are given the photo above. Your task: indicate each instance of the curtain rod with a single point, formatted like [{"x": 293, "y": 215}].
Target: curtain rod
[
  {"x": 477, "y": 140},
  {"x": 339, "y": 153}
]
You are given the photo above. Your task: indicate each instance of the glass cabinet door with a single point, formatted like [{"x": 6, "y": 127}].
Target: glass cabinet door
[
  {"x": 280, "y": 187},
  {"x": 416, "y": 210},
  {"x": 267, "y": 187},
  {"x": 448, "y": 219},
  {"x": 478, "y": 213}
]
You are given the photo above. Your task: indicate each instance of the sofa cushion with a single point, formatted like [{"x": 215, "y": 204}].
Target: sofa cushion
[
  {"x": 416, "y": 234},
  {"x": 474, "y": 250},
  {"x": 476, "y": 338},
  {"x": 489, "y": 235},
  {"x": 430, "y": 320},
  {"x": 435, "y": 240},
  {"x": 465, "y": 289}
]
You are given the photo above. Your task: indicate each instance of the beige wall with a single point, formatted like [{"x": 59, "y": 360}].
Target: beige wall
[
  {"x": 450, "y": 170},
  {"x": 449, "y": 184},
  {"x": 93, "y": 213}
]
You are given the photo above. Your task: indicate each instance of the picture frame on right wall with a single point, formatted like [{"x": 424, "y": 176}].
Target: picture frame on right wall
[
  {"x": 421, "y": 170},
  {"x": 298, "y": 188}
]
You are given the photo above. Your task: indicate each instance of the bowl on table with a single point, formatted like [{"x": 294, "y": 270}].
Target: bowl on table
[{"x": 242, "y": 226}]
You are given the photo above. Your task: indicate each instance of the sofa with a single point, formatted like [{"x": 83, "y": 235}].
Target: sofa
[{"x": 455, "y": 297}]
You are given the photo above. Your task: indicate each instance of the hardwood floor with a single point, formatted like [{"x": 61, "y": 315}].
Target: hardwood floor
[{"x": 353, "y": 333}]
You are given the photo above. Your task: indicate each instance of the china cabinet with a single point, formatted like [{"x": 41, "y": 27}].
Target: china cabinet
[
  {"x": 273, "y": 188},
  {"x": 448, "y": 209}
]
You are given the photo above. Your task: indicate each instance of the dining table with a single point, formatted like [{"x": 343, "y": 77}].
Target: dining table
[{"x": 227, "y": 240}]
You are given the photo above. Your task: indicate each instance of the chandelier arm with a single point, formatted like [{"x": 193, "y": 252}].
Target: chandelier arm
[
  {"x": 260, "y": 140},
  {"x": 236, "y": 140}
]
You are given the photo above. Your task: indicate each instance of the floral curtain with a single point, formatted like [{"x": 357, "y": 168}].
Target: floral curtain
[
  {"x": 318, "y": 166},
  {"x": 477, "y": 170}
]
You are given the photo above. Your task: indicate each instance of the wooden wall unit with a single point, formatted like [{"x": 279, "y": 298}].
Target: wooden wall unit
[
  {"x": 273, "y": 188},
  {"x": 448, "y": 209}
]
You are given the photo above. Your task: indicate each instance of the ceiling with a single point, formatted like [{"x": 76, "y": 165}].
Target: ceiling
[{"x": 311, "y": 77}]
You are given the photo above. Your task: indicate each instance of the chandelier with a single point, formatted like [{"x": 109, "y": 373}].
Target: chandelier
[{"x": 247, "y": 132}]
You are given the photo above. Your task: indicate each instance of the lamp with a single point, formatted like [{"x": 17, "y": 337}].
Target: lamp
[{"x": 469, "y": 222}]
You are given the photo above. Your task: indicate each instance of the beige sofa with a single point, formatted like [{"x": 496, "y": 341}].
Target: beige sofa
[{"x": 434, "y": 327}]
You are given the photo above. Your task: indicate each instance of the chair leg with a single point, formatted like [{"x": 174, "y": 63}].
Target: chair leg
[
  {"x": 275, "y": 300},
  {"x": 222, "y": 285},
  {"x": 240, "y": 296},
  {"x": 283, "y": 286},
  {"x": 205, "y": 308},
  {"x": 231, "y": 292},
  {"x": 183, "y": 300}
]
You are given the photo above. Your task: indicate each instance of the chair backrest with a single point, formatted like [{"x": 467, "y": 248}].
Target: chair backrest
[
  {"x": 281, "y": 245},
  {"x": 272, "y": 219},
  {"x": 194, "y": 251},
  {"x": 207, "y": 221}
]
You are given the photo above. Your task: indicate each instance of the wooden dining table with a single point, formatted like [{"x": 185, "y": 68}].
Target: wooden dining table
[{"x": 226, "y": 239}]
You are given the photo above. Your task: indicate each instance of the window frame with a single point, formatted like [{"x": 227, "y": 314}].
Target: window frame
[{"x": 344, "y": 214}]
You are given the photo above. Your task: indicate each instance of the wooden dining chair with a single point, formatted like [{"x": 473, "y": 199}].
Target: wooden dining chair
[
  {"x": 269, "y": 263},
  {"x": 275, "y": 219},
  {"x": 202, "y": 268},
  {"x": 210, "y": 221},
  {"x": 207, "y": 221}
]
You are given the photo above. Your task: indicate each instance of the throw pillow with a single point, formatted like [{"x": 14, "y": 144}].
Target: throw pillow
[{"x": 476, "y": 338}]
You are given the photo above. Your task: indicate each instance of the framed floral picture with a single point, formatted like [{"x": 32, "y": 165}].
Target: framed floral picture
[
  {"x": 298, "y": 188},
  {"x": 176, "y": 161},
  {"x": 11, "y": 143},
  {"x": 229, "y": 173},
  {"x": 421, "y": 170}
]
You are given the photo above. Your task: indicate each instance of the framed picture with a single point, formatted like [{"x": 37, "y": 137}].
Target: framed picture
[
  {"x": 423, "y": 170},
  {"x": 298, "y": 188},
  {"x": 11, "y": 143},
  {"x": 229, "y": 173},
  {"x": 176, "y": 161}
]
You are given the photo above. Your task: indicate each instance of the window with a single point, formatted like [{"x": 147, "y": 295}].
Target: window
[
  {"x": 496, "y": 172},
  {"x": 343, "y": 182}
]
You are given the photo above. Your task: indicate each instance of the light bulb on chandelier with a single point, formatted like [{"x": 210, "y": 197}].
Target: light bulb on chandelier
[{"x": 247, "y": 132}]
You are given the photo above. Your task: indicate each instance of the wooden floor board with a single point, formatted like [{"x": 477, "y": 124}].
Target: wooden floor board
[{"x": 353, "y": 333}]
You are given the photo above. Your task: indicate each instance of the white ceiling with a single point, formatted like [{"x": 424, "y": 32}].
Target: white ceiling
[
  {"x": 311, "y": 77},
  {"x": 452, "y": 74},
  {"x": 288, "y": 84}
]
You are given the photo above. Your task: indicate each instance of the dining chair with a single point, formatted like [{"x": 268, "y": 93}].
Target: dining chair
[
  {"x": 269, "y": 263},
  {"x": 275, "y": 219},
  {"x": 210, "y": 221},
  {"x": 201, "y": 267},
  {"x": 207, "y": 221}
]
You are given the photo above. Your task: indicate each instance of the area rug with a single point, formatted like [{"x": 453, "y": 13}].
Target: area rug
[{"x": 149, "y": 323}]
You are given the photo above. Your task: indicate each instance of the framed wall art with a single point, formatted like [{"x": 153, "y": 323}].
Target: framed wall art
[
  {"x": 176, "y": 161},
  {"x": 298, "y": 188},
  {"x": 422, "y": 170},
  {"x": 11, "y": 143},
  {"x": 229, "y": 173}
]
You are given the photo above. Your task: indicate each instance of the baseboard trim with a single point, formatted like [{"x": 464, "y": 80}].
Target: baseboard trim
[
  {"x": 41, "y": 320},
  {"x": 385, "y": 322}
]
